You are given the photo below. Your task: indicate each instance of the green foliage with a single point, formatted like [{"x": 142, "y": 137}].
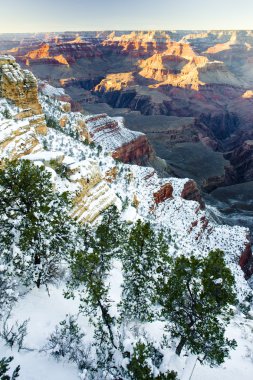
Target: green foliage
[
  {"x": 246, "y": 305},
  {"x": 125, "y": 204},
  {"x": 90, "y": 270},
  {"x": 90, "y": 266},
  {"x": 4, "y": 369},
  {"x": 8, "y": 291},
  {"x": 111, "y": 232},
  {"x": 196, "y": 297},
  {"x": 53, "y": 123},
  {"x": 67, "y": 342},
  {"x": 144, "y": 253},
  {"x": 6, "y": 113},
  {"x": 59, "y": 168},
  {"x": 14, "y": 334},
  {"x": 143, "y": 361},
  {"x": 34, "y": 223},
  {"x": 138, "y": 367}
]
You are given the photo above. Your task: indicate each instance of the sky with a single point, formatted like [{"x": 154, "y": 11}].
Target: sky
[{"x": 76, "y": 15}]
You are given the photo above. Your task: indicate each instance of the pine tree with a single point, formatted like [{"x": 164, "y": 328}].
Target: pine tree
[
  {"x": 196, "y": 297},
  {"x": 34, "y": 222},
  {"x": 143, "y": 256}
]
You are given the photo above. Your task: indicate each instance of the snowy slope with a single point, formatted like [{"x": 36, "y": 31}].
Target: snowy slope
[{"x": 192, "y": 230}]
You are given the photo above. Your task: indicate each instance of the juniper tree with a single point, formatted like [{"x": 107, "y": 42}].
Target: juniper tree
[
  {"x": 144, "y": 363},
  {"x": 196, "y": 295},
  {"x": 4, "y": 369},
  {"x": 34, "y": 222},
  {"x": 111, "y": 232},
  {"x": 144, "y": 253},
  {"x": 89, "y": 270},
  {"x": 8, "y": 291},
  {"x": 67, "y": 342}
]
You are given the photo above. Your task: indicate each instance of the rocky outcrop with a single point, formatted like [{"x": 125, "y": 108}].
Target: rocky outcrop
[
  {"x": 125, "y": 145},
  {"x": 164, "y": 193},
  {"x": 17, "y": 138},
  {"x": 239, "y": 170},
  {"x": 246, "y": 261},
  {"x": 58, "y": 93},
  {"x": 20, "y": 87},
  {"x": 212, "y": 183},
  {"x": 115, "y": 82},
  {"x": 192, "y": 192},
  {"x": 137, "y": 151},
  {"x": 94, "y": 195},
  {"x": 62, "y": 51},
  {"x": 247, "y": 94},
  {"x": 241, "y": 159},
  {"x": 137, "y": 44},
  {"x": 91, "y": 194},
  {"x": 179, "y": 66}
]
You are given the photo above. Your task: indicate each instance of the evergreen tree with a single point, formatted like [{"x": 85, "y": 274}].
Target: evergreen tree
[
  {"x": 4, "y": 369},
  {"x": 144, "y": 359},
  {"x": 66, "y": 342},
  {"x": 34, "y": 223},
  {"x": 143, "y": 256},
  {"x": 90, "y": 268},
  {"x": 111, "y": 232},
  {"x": 196, "y": 297},
  {"x": 8, "y": 291},
  {"x": 6, "y": 113}
]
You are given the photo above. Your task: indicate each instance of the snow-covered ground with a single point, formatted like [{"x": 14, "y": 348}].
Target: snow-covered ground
[{"x": 45, "y": 312}]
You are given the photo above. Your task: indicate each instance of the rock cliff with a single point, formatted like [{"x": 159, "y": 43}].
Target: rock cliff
[
  {"x": 21, "y": 88},
  {"x": 125, "y": 145},
  {"x": 137, "y": 44}
]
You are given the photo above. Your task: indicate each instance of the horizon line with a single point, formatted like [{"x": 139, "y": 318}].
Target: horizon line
[{"x": 132, "y": 30}]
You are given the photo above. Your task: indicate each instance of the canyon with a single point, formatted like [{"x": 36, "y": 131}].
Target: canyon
[{"x": 189, "y": 92}]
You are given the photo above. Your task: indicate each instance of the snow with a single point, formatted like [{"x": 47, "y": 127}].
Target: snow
[
  {"x": 218, "y": 281},
  {"x": 181, "y": 219},
  {"x": 109, "y": 132},
  {"x": 44, "y": 156},
  {"x": 49, "y": 90},
  {"x": 44, "y": 313}
]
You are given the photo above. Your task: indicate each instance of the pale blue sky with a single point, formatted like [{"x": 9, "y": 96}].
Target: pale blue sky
[{"x": 60, "y": 15}]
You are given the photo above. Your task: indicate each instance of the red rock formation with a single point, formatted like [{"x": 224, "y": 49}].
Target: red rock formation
[
  {"x": 165, "y": 192},
  {"x": 54, "y": 52},
  {"x": 246, "y": 261},
  {"x": 191, "y": 193},
  {"x": 140, "y": 44},
  {"x": 137, "y": 151},
  {"x": 125, "y": 145}
]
